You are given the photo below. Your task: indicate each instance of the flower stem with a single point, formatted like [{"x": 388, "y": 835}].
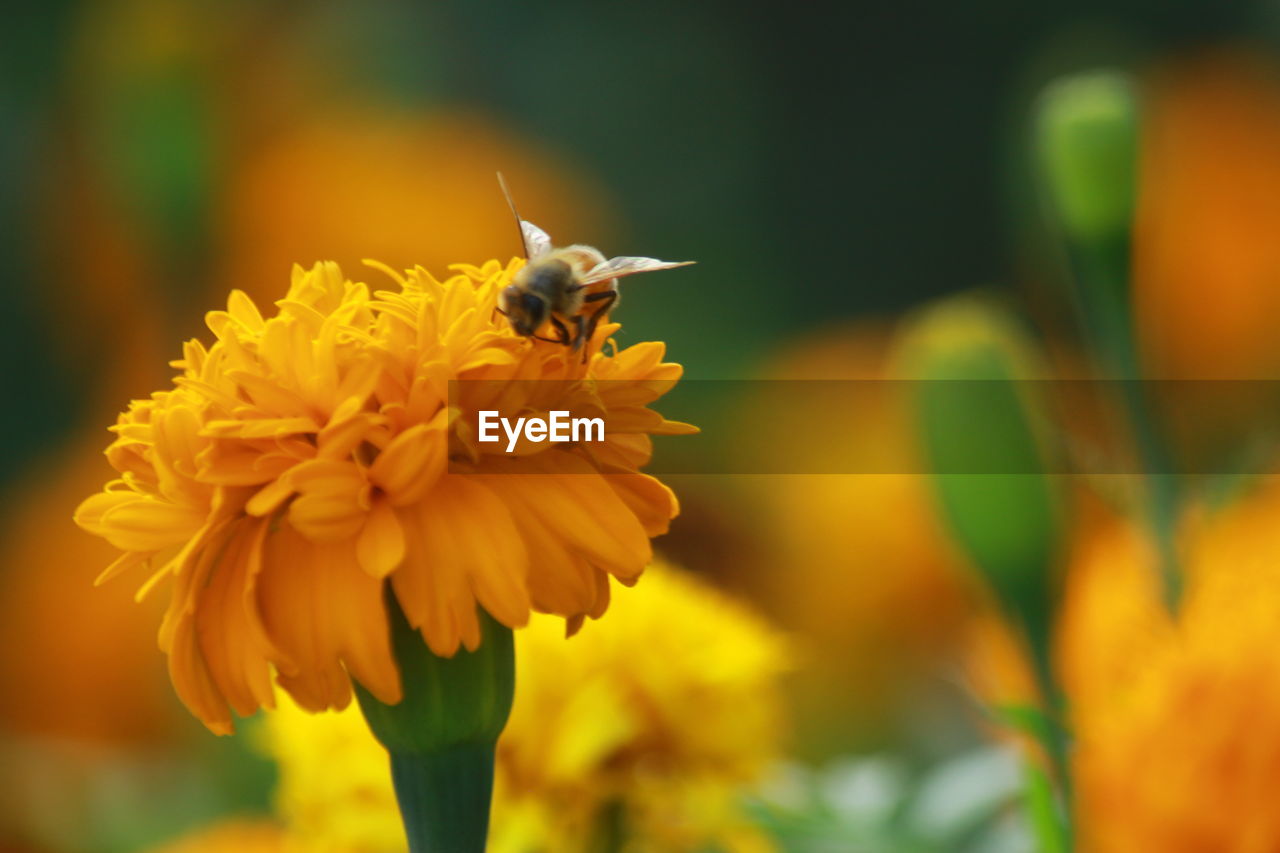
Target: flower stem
[
  {"x": 443, "y": 733},
  {"x": 1109, "y": 314},
  {"x": 444, "y": 797},
  {"x": 1055, "y": 742}
]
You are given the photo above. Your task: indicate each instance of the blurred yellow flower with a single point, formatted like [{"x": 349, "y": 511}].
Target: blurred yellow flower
[
  {"x": 652, "y": 724},
  {"x": 1178, "y": 723},
  {"x": 299, "y": 463},
  {"x": 240, "y": 835}
]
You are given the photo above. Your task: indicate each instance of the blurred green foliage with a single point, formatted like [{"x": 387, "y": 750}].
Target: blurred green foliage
[{"x": 817, "y": 165}]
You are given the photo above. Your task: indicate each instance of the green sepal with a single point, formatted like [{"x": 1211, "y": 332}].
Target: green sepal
[{"x": 443, "y": 734}]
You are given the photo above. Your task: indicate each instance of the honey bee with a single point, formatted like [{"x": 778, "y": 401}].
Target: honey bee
[{"x": 573, "y": 288}]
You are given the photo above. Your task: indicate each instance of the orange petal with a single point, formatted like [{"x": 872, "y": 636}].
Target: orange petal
[
  {"x": 148, "y": 524},
  {"x": 321, "y": 611},
  {"x": 380, "y": 546},
  {"x": 332, "y": 500},
  {"x": 470, "y": 527},
  {"x": 227, "y": 632},
  {"x": 648, "y": 498},
  {"x": 436, "y": 596},
  {"x": 91, "y": 510},
  {"x": 294, "y": 598},
  {"x": 409, "y": 466},
  {"x": 579, "y": 507}
]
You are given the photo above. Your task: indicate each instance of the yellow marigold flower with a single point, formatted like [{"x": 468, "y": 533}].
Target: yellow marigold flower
[
  {"x": 298, "y": 465},
  {"x": 658, "y": 718},
  {"x": 242, "y": 836},
  {"x": 1178, "y": 722}
]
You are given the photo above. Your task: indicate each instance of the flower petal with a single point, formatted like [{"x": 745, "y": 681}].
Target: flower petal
[
  {"x": 321, "y": 611},
  {"x": 410, "y": 465},
  {"x": 380, "y": 546},
  {"x": 148, "y": 524}
]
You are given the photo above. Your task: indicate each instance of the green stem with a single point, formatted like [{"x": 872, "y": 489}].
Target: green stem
[
  {"x": 610, "y": 831},
  {"x": 443, "y": 732},
  {"x": 1055, "y": 740},
  {"x": 1106, "y": 303},
  {"x": 444, "y": 797}
]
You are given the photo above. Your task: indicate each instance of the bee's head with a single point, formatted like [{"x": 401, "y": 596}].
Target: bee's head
[{"x": 526, "y": 311}]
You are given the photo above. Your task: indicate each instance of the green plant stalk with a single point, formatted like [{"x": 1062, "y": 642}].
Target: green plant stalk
[
  {"x": 1055, "y": 737},
  {"x": 610, "y": 830},
  {"x": 443, "y": 734},
  {"x": 1109, "y": 320},
  {"x": 1046, "y": 825},
  {"x": 444, "y": 797}
]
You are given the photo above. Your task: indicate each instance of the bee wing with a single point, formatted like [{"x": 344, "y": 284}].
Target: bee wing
[
  {"x": 624, "y": 266},
  {"x": 536, "y": 241}
]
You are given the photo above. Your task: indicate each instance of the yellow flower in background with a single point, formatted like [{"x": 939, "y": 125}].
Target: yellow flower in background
[
  {"x": 241, "y": 836},
  {"x": 1177, "y": 724},
  {"x": 665, "y": 711},
  {"x": 652, "y": 724},
  {"x": 299, "y": 463}
]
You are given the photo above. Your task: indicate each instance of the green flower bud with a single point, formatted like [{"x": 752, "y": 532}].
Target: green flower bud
[
  {"x": 1087, "y": 140},
  {"x": 983, "y": 431}
]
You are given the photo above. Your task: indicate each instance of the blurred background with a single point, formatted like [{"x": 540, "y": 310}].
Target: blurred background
[{"x": 830, "y": 172}]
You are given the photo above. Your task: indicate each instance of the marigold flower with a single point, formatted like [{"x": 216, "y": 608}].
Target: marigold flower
[
  {"x": 1177, "y": 722},
  {"x": 298, "y": 466},
  {"x": 1208, "y": 212},
  {"x": 663, "y": 742}
]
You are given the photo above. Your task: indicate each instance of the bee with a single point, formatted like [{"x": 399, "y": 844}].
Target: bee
[{"x": 573, "y": 288}]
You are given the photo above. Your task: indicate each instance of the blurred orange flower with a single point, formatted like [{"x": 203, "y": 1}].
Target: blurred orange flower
[
  {"x": 100, "y": 681},
  {"x": 299, "y": 463},
  {"x": 360, "y": 183},
  {"x": 1206, "y": 266},
  {"x": 857, "y": 565},
  {"x": 242, "y": 836},
  {"x": 1178, "y": 724}
]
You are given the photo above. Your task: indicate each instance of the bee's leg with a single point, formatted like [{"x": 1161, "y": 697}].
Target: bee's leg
[
  {"x": 496, "y": 310},
  {"x": 562, "y": 330},
  {"x": 580, "y": 335},
  {"x": 607, "y": 297}
]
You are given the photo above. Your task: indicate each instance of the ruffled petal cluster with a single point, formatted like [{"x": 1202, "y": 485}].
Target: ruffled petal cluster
[
  {"x": 1177, "y": 720},
  {"x": 306, "y": 461}
]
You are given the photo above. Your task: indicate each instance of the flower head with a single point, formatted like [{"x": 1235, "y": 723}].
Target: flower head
[
  {"x": 1178, "y": 721},
  {"x": 663, "y": 742},
  {"x": 309, "y": 459}
]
